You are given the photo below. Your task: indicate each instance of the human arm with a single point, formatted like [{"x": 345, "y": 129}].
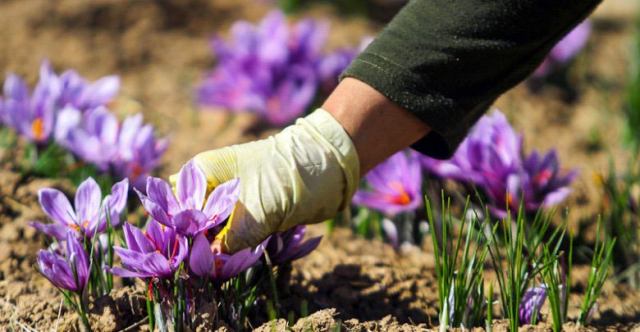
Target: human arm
[{"x": 424, "y": 81}]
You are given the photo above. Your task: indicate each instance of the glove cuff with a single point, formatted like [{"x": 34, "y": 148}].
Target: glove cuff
[{"x": 323, "y": 124}]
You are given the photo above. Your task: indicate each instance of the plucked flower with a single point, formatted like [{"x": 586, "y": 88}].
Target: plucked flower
[
  {"x": 288, "y": 246},
  {"x": 565, "y": 50},
  {"x": 268, "y": 69},
  {"x": 393, "y": 186},
  {"x": 32, "y": 115},
  {"x": 187, "y": 211},
  {"x": 206, "y": 263},
  {"x": 89, "y": 216},
  {"x": 67, "y": 268},
  {"x": 531, "y": 303},
  {"x": 492, "y": 159},
  {"x": 156, "y": 253}
]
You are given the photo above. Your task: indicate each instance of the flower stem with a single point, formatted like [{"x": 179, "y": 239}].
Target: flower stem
[{"x": 82, "y": 312}]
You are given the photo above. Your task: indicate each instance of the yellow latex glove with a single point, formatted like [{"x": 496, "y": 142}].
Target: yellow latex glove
[{"x": 302, "y": 175}]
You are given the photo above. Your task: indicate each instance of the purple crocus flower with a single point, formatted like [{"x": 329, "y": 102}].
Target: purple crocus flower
[
  {"x": 492, "y": 159},
  {"x": 492, "y": 142},
  {"x": 138, "y": 150},
  {"x": 288, "y": 246},
  {"x": 219, "y": 266},
  {"x": 32, "y": 116},
  {"x": 92, "y": 136},
  {"x": 531, "y": 303},
  {"x": 268, "y": 69},
  {"x": 156, "y": 253},
  {"x": 90, "y": 214},
  {"x": 187, "y": 211},
  {"x": 565, "y": 50},
  {"x": 80, "y": 94},
  {"x": 394, "y": 185},
  {"x": 539, "y": 183},
  {"x": 131, "y": 150},
  {"x": 67, "y": 270}
]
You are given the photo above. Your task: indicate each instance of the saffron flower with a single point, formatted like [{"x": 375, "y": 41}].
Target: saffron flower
[
  {"x": 288, "y": 246},
  {"x": 492, "y": 159},
  {"x": 187, "y": 211},
  {"x": 393, "y": 186},
  {"x": 268, "y": 69},
  {"x": 538, "y": 183},
  {"x": 219, "y": 266},
  {"x": 565, "y": 50},
  {"x": 531, "y": 303},
  {"x": 130, "y": 150},
  {"x": 91, "y": 136},
  {"x": 90, "y": 214},
  {"x": 80, "y": 94},
  {"x": 139, "y": 151},
  {"x": 68, "y": 269},
  {"x": 156, "y": 253},
  {"x": 491, "y": 143},
  {"x": 32, "y": 116}
]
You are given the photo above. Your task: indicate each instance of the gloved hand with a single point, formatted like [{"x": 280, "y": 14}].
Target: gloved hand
[{"x": 302, "y": 175}]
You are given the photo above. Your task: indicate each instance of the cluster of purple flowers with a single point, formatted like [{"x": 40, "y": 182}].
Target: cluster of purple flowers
[
  {"x": 70, "y": 111},
  {"x": 492, "y": 159},
  {"x": 174, "y": 248},
  {"x": 565, "y": 50},
  {"x": 272, "y": 69}
]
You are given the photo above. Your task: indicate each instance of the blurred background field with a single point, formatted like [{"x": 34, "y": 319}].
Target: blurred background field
[{"x": 161, "y": 51}]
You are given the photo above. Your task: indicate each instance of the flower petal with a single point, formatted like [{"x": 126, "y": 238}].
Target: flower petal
[
  {"x": 190, "y": 222},
  {"x": 100, "y": 92},
  {"x": 222, "y": 200},
  {"x": 56, "y": 269},
  {"x": 115, "y": 202},
  {"x": 191, "y": 186},
  {"x": 78, "y": 257},
  {"x": 87, "y": 203},
  {"x": 136, "y": 240},
  {"x": 56, "y": 205},
  {"x": 301, "y": 250},
  {"x": 201, "y": 259},
  {"x": 159, "y": 191},
  {"x": 155, "y": 211},
  {"x": 241, "y": 261},
  {"x": 57, "y": 231}
]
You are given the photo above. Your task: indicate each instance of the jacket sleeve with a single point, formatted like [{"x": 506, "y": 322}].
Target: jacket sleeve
[{"x": 446, "y": 61}]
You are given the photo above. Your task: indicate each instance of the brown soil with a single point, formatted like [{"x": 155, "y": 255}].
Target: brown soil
[{"x": 160, "y": 50}]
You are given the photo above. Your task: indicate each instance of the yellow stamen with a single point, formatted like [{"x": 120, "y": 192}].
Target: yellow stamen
[
  {"x": 402, "y": 198},
  {"x": 222, "y": 234},
  {"x": 37, "y": 128}
]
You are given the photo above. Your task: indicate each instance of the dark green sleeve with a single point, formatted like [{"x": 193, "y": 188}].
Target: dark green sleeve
[{"x": 446, "y": 61}]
